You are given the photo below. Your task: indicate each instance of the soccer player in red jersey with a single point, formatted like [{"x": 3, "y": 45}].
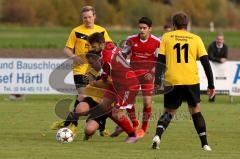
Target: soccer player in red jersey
[
  {"x": 124, "y": 88},
  {"x": 143, "y": 48}
]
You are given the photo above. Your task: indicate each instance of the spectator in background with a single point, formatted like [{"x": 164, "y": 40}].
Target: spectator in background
[
  {"x": 166, "y": 28},
  {"x": 217, "y": 50}
]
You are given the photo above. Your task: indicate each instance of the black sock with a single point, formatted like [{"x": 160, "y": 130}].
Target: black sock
[
  {"x": 200, "y": 127},
  {"x": 72, "y": 116},
  {"x": 102, "y": 125},
  {"x": 163, "y": 123}
]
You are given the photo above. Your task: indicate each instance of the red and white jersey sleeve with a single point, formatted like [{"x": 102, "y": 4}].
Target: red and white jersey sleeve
[{"x": 106, "y": 59}]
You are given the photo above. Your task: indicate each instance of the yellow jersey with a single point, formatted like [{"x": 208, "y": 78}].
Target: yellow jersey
[
  {"x": 97, "y": 89},
  {"x": 78, "y": 42},
  {"x": 181, "y": 49}
]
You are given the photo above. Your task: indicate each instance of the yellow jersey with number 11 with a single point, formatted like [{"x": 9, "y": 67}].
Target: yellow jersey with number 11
[{"x": 182, "y": 49}]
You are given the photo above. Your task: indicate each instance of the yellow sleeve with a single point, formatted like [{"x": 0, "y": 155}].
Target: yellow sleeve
[
  {"x": 71, "y": 40},
  {"x": 162, "y": 46},
  {"x": 201, "y": 48},
  {"x": 106, "y": 36}
]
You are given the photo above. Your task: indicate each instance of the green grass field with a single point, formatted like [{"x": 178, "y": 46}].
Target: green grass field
[
  {"x": 25, "y": 133},
  {"x": 40, "y": 37}
]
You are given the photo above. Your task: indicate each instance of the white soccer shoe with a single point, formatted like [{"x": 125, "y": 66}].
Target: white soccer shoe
[
  {"x": 206, "y": 148},
  {"x": 156, "y": 142}
]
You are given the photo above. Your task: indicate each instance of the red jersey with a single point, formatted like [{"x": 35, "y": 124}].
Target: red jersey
[
  {"x": 125, "y": 84},
  {"x": 143, "y": 51},
  {"x": 115, "y": 66}
]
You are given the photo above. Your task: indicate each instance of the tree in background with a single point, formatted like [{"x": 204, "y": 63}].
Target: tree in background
[
  {"x": 18, "y": 11},
  {"x": 46, "y": 13},
  {"x": 119, "y": 12},
  {"x": 67, "y": 15}
]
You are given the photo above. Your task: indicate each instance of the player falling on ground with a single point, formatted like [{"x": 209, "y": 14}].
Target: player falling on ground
[
  {"x": 179, "y": 50},
  {"x": 76, "y": 48},
  {"x": 122, "y": 91}
]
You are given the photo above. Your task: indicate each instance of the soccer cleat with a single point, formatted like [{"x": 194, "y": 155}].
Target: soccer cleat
[
  {"x": 156, "y": 142},
  {"x": 140, "y": 133},
  {"x": 206, "y": 148},
  {"x": 74, "y": 129},
  {"x": 130, "y": 140},
  {"x": 57, "y": 125},
  {"x": 104, "y": 133},
  {"x": 117, "y": 132}
]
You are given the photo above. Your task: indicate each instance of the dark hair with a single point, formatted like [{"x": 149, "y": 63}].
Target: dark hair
[
  {"x": 146, "y": 21},
  {"x": 96, "y": 38},
  {"x": 167, "y": 26},
  {"x": 93, "y": 53},
  {"x": 180, "y": 20}
]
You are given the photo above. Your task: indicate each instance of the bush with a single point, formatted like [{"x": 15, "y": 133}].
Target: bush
[
  {"x": 18, "y": 11},
  {"x": 119, "y": 12}
]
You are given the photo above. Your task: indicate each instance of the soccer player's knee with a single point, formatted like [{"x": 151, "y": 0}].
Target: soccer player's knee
[
  {"x": 82, "y": 107},
  {"x": 194, "y": 110},
  {"x": 147, "y": 102},
  {"x": 147, "y": 105},
  {"x": 90, "y": 130}
]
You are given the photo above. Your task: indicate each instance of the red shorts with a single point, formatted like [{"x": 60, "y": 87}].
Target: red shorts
[
  {"x": 146, "y": 85},
  {"x": 142, "y": 70},
  {"x": 124, "y": 97}
]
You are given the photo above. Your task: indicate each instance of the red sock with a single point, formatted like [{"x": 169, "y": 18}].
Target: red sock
[
  {"x": 147, "y": 110},
  {"x": 124, "y": 123},
  {"x": 132, "y": 115}
]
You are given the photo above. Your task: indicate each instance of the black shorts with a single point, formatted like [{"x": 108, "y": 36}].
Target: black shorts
[
  {"x": 180, "y": 93},
  {"x": 80, "y": 81},
  {"x": 100, "y": 120}
]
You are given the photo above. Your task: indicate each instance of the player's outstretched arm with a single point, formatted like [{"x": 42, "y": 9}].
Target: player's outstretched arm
[
  {"x": 208, "y": 71},
  {"x": 76, "y": 59}
]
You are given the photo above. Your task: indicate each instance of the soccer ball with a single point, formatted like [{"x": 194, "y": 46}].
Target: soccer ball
[{"x": 64, "y": 135}]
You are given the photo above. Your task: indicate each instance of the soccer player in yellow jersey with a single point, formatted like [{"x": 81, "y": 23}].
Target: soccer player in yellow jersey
[
  {"x": 76, "y": 48},
  {"x": 179, "y": 51}
]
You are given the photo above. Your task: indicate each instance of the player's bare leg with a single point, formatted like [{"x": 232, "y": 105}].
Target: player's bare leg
[{"x": 90, "y": 129}]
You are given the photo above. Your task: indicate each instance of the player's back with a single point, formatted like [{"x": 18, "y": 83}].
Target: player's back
[
  {"x": 182, "y": 49},
  {"x": 116, "y": 66}
]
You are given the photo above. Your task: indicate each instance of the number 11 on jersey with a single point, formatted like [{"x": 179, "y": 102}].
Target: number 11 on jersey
[{"x": 178, "y": 48}]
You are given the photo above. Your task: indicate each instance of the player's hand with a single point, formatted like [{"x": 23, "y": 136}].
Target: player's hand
[
  {"x": 211, "y": 93},
  {"x": 148, "y": 76},
  {"x": 77, "y": 60}
]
